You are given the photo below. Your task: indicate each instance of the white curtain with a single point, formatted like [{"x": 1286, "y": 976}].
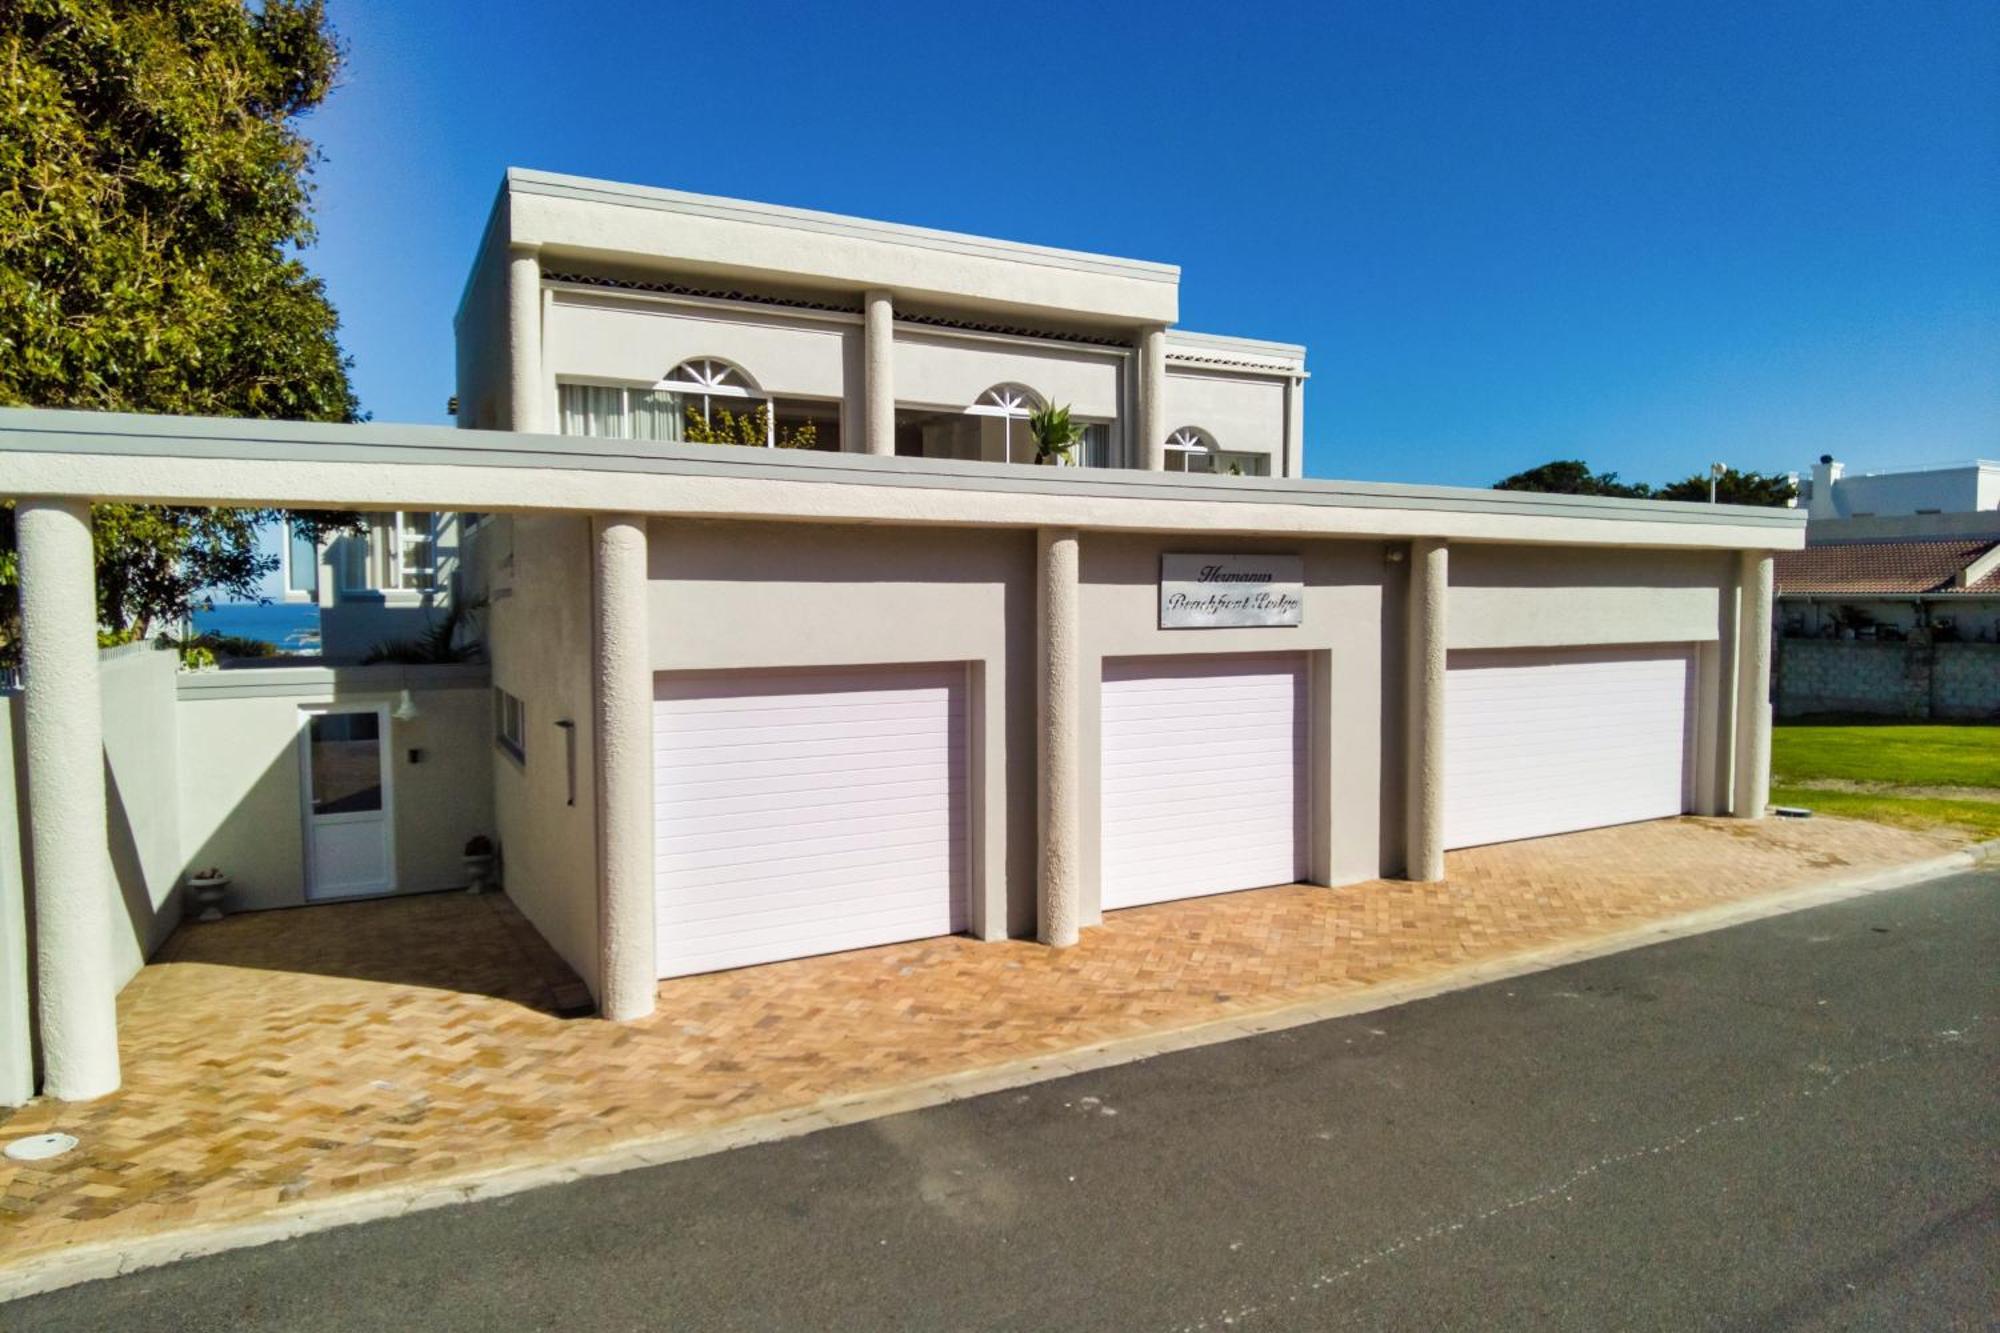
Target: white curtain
[
  {"x": 656, "y": 414},
  {"x": 593, "y": 409}
]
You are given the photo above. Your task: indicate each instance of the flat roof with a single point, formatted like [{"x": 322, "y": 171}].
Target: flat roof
[{"x": 212, "y": 460}]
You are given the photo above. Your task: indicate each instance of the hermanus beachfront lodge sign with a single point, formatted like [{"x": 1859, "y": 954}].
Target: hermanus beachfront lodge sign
[{"x": 1228, "y": 591}]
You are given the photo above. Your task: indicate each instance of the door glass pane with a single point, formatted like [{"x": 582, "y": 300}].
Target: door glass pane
[{"x": 346, "y": 763}]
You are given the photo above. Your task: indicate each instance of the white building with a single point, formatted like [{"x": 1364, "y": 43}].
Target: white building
[
  {"x": 1947, "y": 488},
  {"x": 743, "y": 704}
]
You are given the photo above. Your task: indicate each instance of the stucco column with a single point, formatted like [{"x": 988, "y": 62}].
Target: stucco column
[
  {"x": 627, "y": 973},
  {"x": 1060, "y": 887},
  {"x": 1755, "y": 579},
  {"x": 878, "y": 364},
  {"x": 1151, "y": 427},
  {"x": 1424, "y": 802},
  {"x": 76, "y": 999},
  {"x": 524, "y": 341}
]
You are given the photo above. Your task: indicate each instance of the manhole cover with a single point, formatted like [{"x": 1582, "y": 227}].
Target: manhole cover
[{"x": 40, "y": 1147}]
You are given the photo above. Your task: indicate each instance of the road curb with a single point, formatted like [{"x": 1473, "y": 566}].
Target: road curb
[{"x": 63, "y": 1268}]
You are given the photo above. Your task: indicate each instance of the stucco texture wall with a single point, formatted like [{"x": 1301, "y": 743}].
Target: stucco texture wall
[
  {"x": 1352, "y": 638},
  {"x": 240, "y": 780},
  {"x": 604, "y": 337},
  {"x": 142, "y": 794},
  {"x": 1551, "y": 596},
  {"x": 727, "y": 595},
  {"x": 937, "y": 370},
  {"x": 1244, "y": 415},
  {"x": 537, "y": 573}
]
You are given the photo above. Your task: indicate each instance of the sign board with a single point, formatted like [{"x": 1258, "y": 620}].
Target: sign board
[{"x": 1228, "y": 591}]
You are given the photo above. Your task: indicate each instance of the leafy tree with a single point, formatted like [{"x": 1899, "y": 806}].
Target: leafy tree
[
  {"x": 1734, "y": 488},
  {"x": 154, "y": 195},
  {"x": 1572, "y": 476}
]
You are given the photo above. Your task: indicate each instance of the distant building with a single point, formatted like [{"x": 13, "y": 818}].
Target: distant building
[{"x": 1949, "y": 488}]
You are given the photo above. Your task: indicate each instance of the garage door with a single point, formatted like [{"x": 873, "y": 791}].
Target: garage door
[
  {"x": 1203, "y": 770},
  {"x": 1552, "y": 741},
  {"x": 805, "y": 812}
]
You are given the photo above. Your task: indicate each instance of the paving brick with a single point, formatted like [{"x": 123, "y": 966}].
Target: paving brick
[{"x": 284, "y": 1056}]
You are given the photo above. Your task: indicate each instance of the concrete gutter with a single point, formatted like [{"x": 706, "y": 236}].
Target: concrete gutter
[{"x": 86, "y": 1263}]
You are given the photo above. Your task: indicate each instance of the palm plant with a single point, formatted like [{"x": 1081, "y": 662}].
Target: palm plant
[{"x": 1054, "y": 433}]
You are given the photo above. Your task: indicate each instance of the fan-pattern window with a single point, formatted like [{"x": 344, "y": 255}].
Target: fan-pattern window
[
  {"x": 1006, "y": 400},
  {"x": 706, "y": 375},
  {"x": 1185, "y": 446}
]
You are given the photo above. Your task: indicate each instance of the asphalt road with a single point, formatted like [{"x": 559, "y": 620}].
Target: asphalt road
[{"x": 1791, "y": 1124}]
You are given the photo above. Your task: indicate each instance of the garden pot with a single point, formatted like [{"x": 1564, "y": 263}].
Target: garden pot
[
  {"x": 207, "y": 892},
  {"x": 478, "y": 870}
]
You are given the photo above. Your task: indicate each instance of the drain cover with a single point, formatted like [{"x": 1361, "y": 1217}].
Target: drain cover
[{"x": 40, "y": 1147}]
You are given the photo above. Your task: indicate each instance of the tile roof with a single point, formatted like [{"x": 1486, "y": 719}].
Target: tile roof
[{"x": 1879, "y": 567}]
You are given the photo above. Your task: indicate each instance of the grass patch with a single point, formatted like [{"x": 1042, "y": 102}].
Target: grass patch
[
  {"x": 1902, "y": 755},
  {"x": 1981, "y": 819}
]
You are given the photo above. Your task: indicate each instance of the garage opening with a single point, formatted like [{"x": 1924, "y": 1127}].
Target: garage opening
[
  {"x": 807, "y": 812},
  {"x": 1548, "y": 741},
  {"x": 1203, "y": 776}
]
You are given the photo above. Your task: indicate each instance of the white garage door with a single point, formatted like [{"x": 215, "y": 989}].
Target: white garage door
[
  {"x": 1203, "y": 771},
  {"x": 1550, "y": 741},
  {"x": 805, "y": 812}
]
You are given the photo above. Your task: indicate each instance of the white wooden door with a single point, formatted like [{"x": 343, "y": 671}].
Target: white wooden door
[
  {"x": 1203, "y": 776},
  {"x": 349, "y": 814},
  {"x": 1553, "y": 740},
  {"x": 804, "y": 812}
]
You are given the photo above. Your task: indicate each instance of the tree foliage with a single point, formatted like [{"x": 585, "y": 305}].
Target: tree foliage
[
  {"x": 1734, "y": 488},
  {"x": 1574, "y": 477},
  {"x": 154, "y": 194}
]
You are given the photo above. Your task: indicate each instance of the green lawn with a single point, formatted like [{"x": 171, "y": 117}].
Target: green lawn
[
  {"x": 1924, "y": 755},
  {"x": 1880, "y": 772}
]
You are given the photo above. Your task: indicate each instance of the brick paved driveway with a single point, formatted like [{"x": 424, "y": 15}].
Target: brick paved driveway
[{"x": 305, "y": 1054}]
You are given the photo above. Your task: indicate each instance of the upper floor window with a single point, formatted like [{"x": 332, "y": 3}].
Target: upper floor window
[
  {"x": 1191, "y": 449},
  {"x": 619, "y": 413},
  {"x": 399, "y": 553}
]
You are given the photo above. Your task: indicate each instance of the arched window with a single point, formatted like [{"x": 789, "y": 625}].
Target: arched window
[
  {"x": 1006, "y": 400},
  {"x": 1187, "y": 445},
  {"x": 697, "y": 382},
  {"x": 1011, "y": 403}
]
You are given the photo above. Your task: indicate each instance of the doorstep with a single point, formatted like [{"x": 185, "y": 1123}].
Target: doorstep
[{"x": 290, "y": 1071}]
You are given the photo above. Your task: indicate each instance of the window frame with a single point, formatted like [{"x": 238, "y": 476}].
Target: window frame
[{"x": 513, "y": 741}]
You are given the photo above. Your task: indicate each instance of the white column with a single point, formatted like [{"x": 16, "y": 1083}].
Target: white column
[
  {"x": 524, "y": 342},
  {"x": 1060, "y": 886},
  {"x": 627, "y": 974},
  {"x": 76, "y": 997},
  {"x": 1424, "y": 802},
  {"x": 1151, "y": 426},
  {"x": 878, "y": 359},
  {"x": 1755, "y": 579}
]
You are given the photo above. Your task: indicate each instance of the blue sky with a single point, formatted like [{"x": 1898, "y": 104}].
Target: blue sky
[{"x": 1647, "y": 235}]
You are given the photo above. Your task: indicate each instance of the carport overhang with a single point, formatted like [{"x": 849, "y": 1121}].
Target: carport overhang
[{"x": 57, "y": 463}]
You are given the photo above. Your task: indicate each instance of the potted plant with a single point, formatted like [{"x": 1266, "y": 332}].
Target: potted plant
[
  {"x": 1055, "y": 435},
  {"x": 207, "y": 887},
  {"x": 478, "y": 863}
]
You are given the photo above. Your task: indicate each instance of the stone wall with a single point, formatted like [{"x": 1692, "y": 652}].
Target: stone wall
[{"x": 1912, "y": 678}]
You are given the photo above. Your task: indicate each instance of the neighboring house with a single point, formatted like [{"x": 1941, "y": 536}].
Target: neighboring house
[
  {"x": 744, "y": 704},
  {"x": 1892, "y": 626},
  {"x": 1832, "y": 493},
  {"x": 382, "y": 586}
]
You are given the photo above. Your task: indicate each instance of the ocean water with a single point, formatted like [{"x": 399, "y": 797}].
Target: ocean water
[{"x": 294, "y": 628}]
